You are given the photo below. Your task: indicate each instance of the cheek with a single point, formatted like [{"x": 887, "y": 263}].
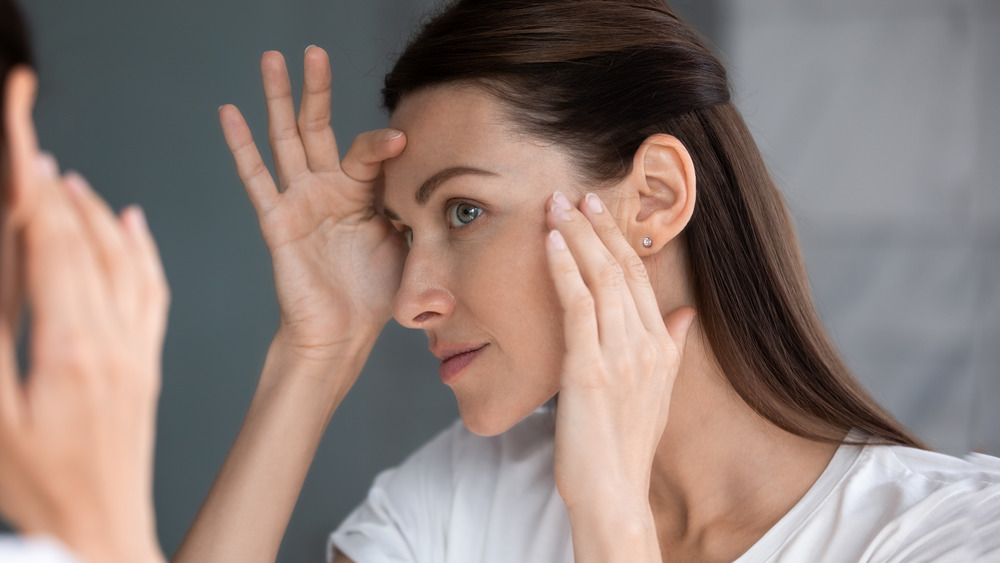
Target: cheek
[{"x": 523, "y": 305}]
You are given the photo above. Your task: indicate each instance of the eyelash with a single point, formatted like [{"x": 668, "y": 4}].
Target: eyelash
[{"x": 450, "y": 214}]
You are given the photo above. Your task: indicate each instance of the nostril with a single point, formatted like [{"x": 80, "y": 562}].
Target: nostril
[{"x": 422, "y": 317}]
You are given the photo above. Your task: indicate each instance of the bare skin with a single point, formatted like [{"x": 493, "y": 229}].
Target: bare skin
[
  {"x": 656, "y": 458},
  {"x": 77, "y": 433}
]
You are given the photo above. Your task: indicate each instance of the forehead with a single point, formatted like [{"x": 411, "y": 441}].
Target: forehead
[{"x": 450, "y": 126}]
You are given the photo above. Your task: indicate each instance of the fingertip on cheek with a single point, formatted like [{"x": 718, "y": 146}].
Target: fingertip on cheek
[
  {"x": 556, "y": 240},
  {"x": 594, "y": 203}
]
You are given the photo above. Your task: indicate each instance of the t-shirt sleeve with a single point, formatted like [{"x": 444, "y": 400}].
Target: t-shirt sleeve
[
  {"x": 404, "y": 516},
  {"x": 959, "y": 522}
]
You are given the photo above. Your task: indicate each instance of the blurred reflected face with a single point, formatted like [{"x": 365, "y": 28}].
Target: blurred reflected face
[{"x": 469, "y": 194}]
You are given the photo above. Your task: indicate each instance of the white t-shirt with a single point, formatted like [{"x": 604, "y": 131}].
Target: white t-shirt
[
  {"x": 36, "y": 549},
  {"x": 462, "y": 498}
]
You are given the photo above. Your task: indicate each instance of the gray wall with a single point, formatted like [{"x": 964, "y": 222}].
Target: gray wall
[
  {"x": 881, "y": 124},
  {"x": 129, "y": 97}
]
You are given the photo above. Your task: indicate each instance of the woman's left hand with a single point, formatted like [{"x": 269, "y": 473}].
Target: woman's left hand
[{"x": 622, "y": 358}]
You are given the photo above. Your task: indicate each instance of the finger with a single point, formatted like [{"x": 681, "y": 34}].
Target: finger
[
  {"x": 105, "y": 237},
  {"x": 17, "y": 199},
  {"x": 282, "y": 129},
  {"x": 601, "y": 273},
  {"x": 314, "y": 113},
  {"x": 633, "y": 269},
  {"x": 62, "y": 279},
  {"x": 249, "y": 166},
  {"x": 363, "y": 162},
  {"x": 19, "y": 134},
  {"x": 155, "y": 291},
  {"x": 678, "y": 323},
  {"x": 579, "y": 321},
  {"x": 10, "y": 388}
]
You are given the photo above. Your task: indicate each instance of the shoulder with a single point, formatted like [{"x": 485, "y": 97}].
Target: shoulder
[
  {"x": 892, "y": 503},
  {"x": 927, "y": 505},
  {"x": 925, "y": 472},
  {"x": 37, "y": 549}
]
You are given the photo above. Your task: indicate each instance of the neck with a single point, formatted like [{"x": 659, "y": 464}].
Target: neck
[{"x": 723, "y": 475}]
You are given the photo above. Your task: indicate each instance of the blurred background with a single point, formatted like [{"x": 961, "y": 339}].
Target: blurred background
[{"x": 879, "y": 120}]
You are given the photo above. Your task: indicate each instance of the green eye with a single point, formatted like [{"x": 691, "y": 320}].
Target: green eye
[
  {"x": 462, "y": 214},
  {"x": 408, "y": 235}
]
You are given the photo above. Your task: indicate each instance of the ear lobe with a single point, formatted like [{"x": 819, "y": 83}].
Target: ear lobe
[{"x": 663, "y": 172}]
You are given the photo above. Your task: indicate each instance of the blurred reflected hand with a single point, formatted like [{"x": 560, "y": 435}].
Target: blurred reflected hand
[
  {"x": 337, "y": 261},
  {"x": 77, "y": 430}
]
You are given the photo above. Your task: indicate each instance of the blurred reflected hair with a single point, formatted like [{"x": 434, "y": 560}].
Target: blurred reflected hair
[{"x": 598, "y": 77}]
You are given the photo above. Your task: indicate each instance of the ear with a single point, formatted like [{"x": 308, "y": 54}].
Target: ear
[
  {"x": 20, "y": 140},
  {"x": 659, "y": 194}
]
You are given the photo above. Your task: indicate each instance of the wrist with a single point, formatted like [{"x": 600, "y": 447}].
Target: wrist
[
  {"x": 614, "y": 530},
  {"x": 314, "y": 381}
]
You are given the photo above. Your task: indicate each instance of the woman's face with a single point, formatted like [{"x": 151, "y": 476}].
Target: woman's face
[{"x": 469, "y": 192}]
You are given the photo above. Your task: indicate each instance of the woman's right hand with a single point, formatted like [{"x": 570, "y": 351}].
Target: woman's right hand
[{"x": 337, "y": 261}]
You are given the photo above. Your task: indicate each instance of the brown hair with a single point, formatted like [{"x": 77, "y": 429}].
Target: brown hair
[{"x": 600, "y": 76}]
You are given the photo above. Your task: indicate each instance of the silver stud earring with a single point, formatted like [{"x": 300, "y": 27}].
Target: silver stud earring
[{"x": 647, "y": 242}]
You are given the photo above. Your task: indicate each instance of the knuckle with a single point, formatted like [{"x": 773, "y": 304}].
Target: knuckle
[
  {"x": 646, "y": 355},
  {"x": 634, "y": 268},
  {"x": 606, "y": 228},
  {"x": 583, "y": 305},
  {"x": 314, "y": 124},
  {"x": 77, "y": 353},
  {"x": 284, "y": 133},
  {"x": 256, "y": 170},
  {"x": 567, "y": 269},
  {"x": 611, "y": 277}
]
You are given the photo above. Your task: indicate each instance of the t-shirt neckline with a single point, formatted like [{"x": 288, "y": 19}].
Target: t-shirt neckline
[{"x": 840, "y": 465}]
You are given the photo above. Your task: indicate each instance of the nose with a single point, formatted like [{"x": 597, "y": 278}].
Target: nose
[{"x": 423, "y": 299}]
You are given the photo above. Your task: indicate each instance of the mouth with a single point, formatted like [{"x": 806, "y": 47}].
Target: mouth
[{"x": 455, "y": 359}]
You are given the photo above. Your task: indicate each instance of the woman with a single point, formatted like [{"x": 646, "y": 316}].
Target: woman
[
  {"x": 573, "y": 182},
  {"x": 77, "y": 429}
]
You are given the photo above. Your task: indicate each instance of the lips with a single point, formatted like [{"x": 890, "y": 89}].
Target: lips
[{"x": 454, "y": 359}]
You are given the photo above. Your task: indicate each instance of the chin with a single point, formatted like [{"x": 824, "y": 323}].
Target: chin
[{"x": 490, "y": 418}]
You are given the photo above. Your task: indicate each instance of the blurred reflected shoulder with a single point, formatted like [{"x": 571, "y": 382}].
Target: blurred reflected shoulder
[{"x": 14, "y": 549}]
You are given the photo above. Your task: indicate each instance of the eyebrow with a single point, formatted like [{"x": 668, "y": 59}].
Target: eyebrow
[{"x": 434, "y": 182}]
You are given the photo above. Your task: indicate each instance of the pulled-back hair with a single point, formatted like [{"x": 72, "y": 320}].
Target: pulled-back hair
[{"x": 598, "y": 77}]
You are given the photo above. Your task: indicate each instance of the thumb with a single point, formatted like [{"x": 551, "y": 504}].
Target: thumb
[{"x": 678, "y": 322}]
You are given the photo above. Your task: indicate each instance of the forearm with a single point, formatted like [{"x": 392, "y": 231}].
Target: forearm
[
  {"x": 614, "y": 531},
  {"x": 249, "y": 505}
]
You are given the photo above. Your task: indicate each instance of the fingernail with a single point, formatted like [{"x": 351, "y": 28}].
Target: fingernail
[
  {"x": 557, "y": 240},
  {"x": 75, "y": 183},
  {"x": 393, "y": 134},
  {"x": 136, "y": 218},
  {"x": 47, "y": 166},
  {"x": 561, "y": 201},
  {"x": 309, "y": 47},
  {"x": 594, "y": 203},
  {"x": 559, "y": 213}
]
